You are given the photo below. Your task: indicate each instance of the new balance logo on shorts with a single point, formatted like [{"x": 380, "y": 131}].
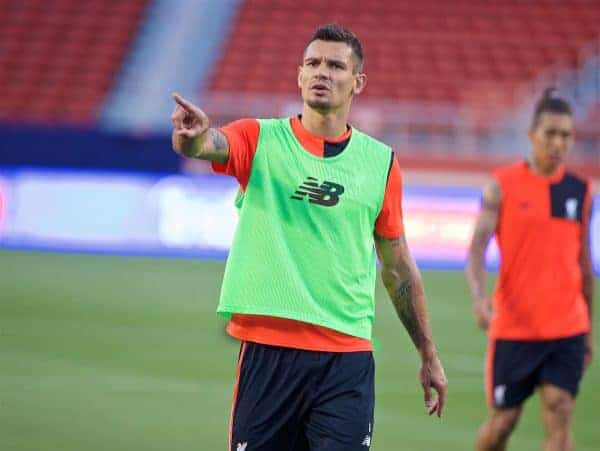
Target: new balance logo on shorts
[
  {"x": 499, "y": 394},
  {"x": 326, "y": 194},
  {"x": 367, "y": 440}
]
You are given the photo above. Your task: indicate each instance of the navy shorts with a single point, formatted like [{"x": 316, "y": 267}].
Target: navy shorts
[
  {"x": 516, "y": 368},
  {"x": 294, "y": 400}
]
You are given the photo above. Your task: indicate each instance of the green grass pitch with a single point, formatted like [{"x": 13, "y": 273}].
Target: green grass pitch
[{"x": 113, "y": 353}]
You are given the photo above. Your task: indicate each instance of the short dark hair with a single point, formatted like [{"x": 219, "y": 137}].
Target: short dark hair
[
  {"x": 551, "y": 102},
  {"x": 333, "y": 32}
]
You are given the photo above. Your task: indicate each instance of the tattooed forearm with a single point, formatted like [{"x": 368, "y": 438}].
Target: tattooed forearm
[
  {"x": 405, "y": 288},
  {"x": 212, "y": 145},
  {"x": 404, "y": 303},
  {"x": 219, "y": 142},
  {"x": 217, "y": 147},
  {"x": 408, "y": 299},
  {"x": 404, "y": 291}
]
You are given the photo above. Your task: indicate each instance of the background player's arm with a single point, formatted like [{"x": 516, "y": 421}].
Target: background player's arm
[
  {"x": 585, "y": 261},
  {"x": 475, "y": 270},
  {"x": 192, "y": 136},
  {"x": 405, "y": 287}
]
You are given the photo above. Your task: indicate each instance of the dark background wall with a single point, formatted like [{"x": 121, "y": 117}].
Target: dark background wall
[{"x": 52, "y": 146}]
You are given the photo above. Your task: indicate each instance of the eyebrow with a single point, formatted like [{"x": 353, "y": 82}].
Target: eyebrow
[
  {"x": 562, "y": 131},
  {"x": 329, "y": 61}
]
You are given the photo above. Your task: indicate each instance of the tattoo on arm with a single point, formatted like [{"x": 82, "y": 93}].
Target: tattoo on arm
[
  {"x": 405, "y": 305},
  {"x": 218, "y": 139},
  {"x": 403, "y": 283},
  {"x": 404, "y": 291},
  {"x": 214, "y": 147}
]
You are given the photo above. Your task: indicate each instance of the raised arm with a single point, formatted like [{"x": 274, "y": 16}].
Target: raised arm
[
  {"x": 475, "y": 269},
  {"x": 587, "y": 272},
  {"x": 405, "y": 288},
  {"x": 192, "y": 136}
]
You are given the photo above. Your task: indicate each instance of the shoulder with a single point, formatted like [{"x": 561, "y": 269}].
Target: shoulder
[
  {"x": 575, "y": 185},
  {"x": 508, "y": 176},
  {"x": 273, "y": 122},
  {"x": 243, "y": 124},
  {"x": 491, "y": 193},
  {"x": 375, "y": 152},
  {"x": 575, "y": 179},
  {"x": 371, "y": 142},
  {"x": 241, "y": 130},
  {"x": 508, "y": 171}
]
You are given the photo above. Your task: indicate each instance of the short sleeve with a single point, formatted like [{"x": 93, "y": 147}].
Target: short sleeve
[
  {"x": 242, "y": 137},
  {"x": 389, "y": 222}
]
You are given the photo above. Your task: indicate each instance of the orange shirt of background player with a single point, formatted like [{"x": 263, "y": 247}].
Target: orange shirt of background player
[{"x": 539, "y": 290}]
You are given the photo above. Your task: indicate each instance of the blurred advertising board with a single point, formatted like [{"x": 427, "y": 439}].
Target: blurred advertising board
[
  {"x": 195, "y": 216},
  {"x": 3, "y": 189},
  {"x": 439, "y": 223},
  {"x": 120, "y": 213}
]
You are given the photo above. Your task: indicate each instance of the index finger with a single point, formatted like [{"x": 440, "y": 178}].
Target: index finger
[
  {"x": 431, "y": 402},
  {"x": 188, "y": 106},
  {"x": 177, "y": 120},
  {"x": 442, "y": 391}
]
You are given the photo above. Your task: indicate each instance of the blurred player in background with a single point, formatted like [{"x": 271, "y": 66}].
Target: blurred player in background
[
  {"x": 540, "y": 320},
  {"x": 300, "y": 278}
]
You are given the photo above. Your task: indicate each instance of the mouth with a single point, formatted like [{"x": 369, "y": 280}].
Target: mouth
[
  {"x": 556, "y": 158},
  {"x": 320, "y": 88}
]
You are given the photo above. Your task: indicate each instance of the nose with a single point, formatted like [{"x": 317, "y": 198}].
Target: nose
[
  {"x": 322, "y": 75},
  {"x": 558, "y": 142},
  {"x": 323, "y": 72}
]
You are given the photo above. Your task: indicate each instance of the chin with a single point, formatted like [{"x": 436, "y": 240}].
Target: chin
[
  {"x": 318, "y": 104},
  {"x": 553, "y": 166}
]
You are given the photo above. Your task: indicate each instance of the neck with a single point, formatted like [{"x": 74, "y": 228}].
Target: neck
[
  {"x": 327, "y": 125},
  {"x": 537, "y": 169}
]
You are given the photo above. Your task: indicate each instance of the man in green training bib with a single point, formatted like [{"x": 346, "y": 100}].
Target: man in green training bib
[{"x": 319, "y": 198}]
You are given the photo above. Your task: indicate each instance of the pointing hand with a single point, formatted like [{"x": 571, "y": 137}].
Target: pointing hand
[{"x": 189, "y": 121}]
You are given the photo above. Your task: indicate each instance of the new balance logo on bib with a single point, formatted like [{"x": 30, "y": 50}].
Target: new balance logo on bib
[{"x": 326, "y": 194}]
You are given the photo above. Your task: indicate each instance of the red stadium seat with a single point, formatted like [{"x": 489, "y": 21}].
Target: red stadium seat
[
  {"x": 51, "y": 48},
  {"x": 417, "y": 50}
]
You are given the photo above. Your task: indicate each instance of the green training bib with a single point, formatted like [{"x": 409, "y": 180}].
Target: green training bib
[{"x": 303, "y": 248}]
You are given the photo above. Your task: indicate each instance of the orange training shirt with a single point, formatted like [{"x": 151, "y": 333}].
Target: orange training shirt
[{"x": 539, "y": 290}]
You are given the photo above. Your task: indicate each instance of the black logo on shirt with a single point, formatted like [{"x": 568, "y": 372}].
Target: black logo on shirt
[{"x": 326, "y": 194}]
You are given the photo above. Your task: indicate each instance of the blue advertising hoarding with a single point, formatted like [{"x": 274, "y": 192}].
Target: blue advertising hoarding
[{"x": 178, "y": 215}]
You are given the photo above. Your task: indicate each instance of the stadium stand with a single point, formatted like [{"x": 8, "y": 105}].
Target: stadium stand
[
  {"x": 448, "y": 81},
  {"x": 58, "y": 58},
  {"x": 176, "y": 46},
  {"x": 590, "y": 123},
  {"x": 460, "y": 51}
]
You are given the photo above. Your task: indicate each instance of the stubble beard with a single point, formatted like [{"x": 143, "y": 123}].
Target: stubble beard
[
  {"x": 321, "y": 105},
  {"x": 545, "y": 165}
]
